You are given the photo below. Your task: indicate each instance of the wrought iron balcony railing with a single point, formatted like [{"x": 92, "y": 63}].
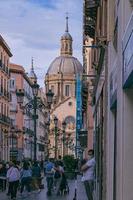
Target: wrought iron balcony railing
[{"x": 5, "y": 119}]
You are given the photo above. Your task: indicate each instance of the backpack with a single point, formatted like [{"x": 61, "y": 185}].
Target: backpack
[
  {"x": 49, "y": 167},
  {"x": 57, "y": 175}
]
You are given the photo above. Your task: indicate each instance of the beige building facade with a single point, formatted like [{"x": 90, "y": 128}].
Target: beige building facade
[
  {"x": 120, "y": 100},
  {"x": 110, "y": 25}
]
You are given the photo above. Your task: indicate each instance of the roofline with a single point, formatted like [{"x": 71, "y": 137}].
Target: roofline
[
  {"x": 5, "y": 46},
  {"x": 20, "y": 71}
]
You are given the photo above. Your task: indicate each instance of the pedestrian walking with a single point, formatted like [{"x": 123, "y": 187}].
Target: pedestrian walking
[
  {"x": 49, "y": 176},
  {"x": 36, "y": 176},
  {"x": 88, "y": 174},
  {"x": 26, "y": 176},
  {"x": 3, "y": 172},
  {"x": 13, "y": 176},
  {"x": 44, "y": 165},
  {"x": 57, "y": 176}
]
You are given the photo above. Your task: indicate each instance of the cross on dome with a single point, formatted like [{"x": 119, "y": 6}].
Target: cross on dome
[{"x": 67, "y": 29}]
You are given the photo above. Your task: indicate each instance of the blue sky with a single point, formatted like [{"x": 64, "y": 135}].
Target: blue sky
[{"x": 32, "y": 28}]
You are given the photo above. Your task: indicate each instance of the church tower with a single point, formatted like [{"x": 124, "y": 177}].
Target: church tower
[
  {"x": 66, "y": 42},
  {"x": 61, "y": 79},
  {"x": 32, "y": 75}
]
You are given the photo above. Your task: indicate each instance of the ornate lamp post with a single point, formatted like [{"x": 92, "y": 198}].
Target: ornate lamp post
[
  {"x": 47, "y": 141},
  {"x": 64, "y": 136},
  {"x": 12, "y": 136},
  {"x": 56, "y": 135},
  {"x": 35, "y": 104}
]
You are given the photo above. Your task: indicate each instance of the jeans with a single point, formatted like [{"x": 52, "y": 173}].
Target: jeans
[
  {"x": 13, "y": 188},
  {"x": 49, "y": 183},
  {"x": 89, "y": 186},
  {"x": 26, "y": 181}
]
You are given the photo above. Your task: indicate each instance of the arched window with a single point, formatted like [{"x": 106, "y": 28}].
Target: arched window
[
  {"x": 66, "y": 48},
  {"x": 70, "y": 122},
  {"x": 52, "y": 88},
  {"x": 67, "y": 90}
]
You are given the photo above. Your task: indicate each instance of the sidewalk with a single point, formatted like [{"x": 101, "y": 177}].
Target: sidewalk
[{"x": 81, "y": 195}]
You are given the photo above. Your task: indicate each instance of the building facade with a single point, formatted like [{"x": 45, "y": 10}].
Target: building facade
[
  {"x": 22, "y": 126},
  {"x": 95, "y": 27},
  {"x": 120, "y": 100},
  {"x": 61, "y": 79},
  {"x": 5, "y": 55},
  {"x": 110, "y": 25}
]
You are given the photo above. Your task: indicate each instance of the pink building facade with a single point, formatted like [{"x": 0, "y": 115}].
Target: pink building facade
[{"x": 5, "y": 55}]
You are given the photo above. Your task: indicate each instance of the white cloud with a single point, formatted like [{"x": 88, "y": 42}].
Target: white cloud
[{"x": 31, "y": 29}]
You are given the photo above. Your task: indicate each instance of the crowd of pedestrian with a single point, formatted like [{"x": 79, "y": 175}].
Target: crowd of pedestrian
[{"x": 27, "y": 176}]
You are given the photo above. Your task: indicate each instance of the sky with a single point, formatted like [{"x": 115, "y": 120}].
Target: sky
[{"x": 33, "y": 28}]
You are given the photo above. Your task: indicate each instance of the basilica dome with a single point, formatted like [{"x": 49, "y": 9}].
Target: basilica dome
[{"x": 65, "y": 65}]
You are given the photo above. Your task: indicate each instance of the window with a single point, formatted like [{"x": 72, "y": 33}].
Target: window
[
  {"x": 67, "y": 87},
  {"x": 12, "y": 83},
  {"x": 70, "y": 103},
  {"x": 5, "y": 109},
  {"x": 2, "y": 108},
  {"x": 115, "y": 35},
  {"x": 52, "y": 88},
  {"x": 2, "y": 84}
]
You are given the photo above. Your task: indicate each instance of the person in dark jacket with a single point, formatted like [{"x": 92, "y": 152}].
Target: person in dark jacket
[
  {"x": 36, "y": 176},
  {"x": 3, "y": 172}
]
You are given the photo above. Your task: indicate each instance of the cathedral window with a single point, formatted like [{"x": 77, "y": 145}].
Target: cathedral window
[
  {"x": 67, "y": 90},
  {"x": 52, "y": 88}
]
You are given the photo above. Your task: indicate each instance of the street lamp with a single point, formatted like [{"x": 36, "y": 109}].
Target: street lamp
[
  {"x": 49, "y": 96},
  {"x": 47, "y": 124},
  {"x": 35, "y": 89},
  {"x": 35, "y": 104},
  {"x": 64, "y": 137},
  {"x": 12, "y": 131},
  {"x": 56, "y": 134},
  {"x": 6, "y": 142}
]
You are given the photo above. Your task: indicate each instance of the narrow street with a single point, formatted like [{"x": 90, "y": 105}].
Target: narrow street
[{"x": 81, "y": 195}]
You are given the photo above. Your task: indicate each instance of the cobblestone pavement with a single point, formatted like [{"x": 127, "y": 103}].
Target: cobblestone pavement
[{"x": 81, "y": 195}]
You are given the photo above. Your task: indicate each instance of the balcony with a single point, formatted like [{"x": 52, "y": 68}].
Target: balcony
[
  {"x": 28, "y": 131},
  {"x": 5, "y": 119},
  {"x": 4, "y": 93},
  {"x": 84, "y": 95},
  {"x": 4, "y": 68},
  {"x": 90, "y": 15}
]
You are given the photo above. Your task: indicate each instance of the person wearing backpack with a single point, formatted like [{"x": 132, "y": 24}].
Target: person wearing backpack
[
  {"x": 36, "y": 176},
  {"x": 13, "y": 176},
  {"x": 49, "y": 176}
]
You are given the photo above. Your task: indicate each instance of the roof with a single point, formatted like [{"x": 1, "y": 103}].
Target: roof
[{"x": 66, "y": 65}]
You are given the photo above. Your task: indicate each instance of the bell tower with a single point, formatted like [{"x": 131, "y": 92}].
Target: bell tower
[{"x": 66, "y": 42}]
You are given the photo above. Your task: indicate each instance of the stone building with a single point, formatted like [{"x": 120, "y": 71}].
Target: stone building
[
  {"x": 5, "y": 55},
  {"x": 61, "y": 79},
  {"x": 110, "y": 25},
  {"x": 120, "y": 100},
  {"x": 22, "y": 126},
  {"x": 95, "y": 27}
]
